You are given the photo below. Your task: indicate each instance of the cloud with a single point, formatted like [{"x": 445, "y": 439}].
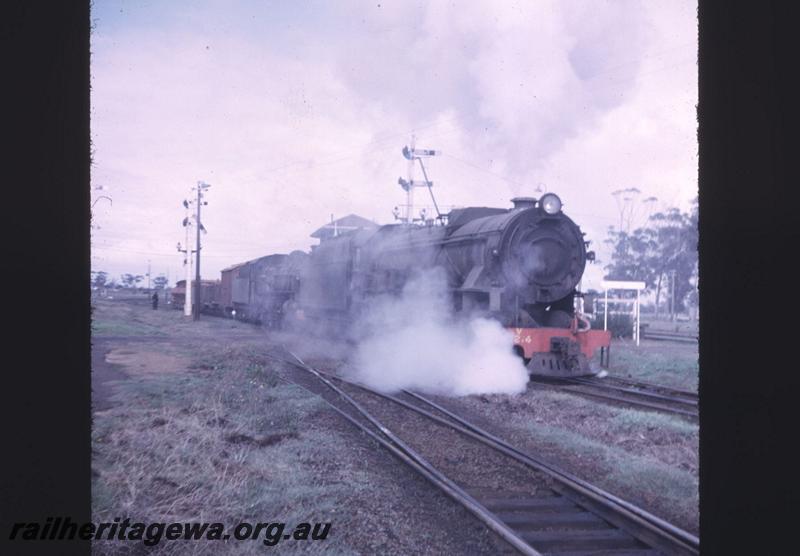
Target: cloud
[{"x": 294, "y": 113}]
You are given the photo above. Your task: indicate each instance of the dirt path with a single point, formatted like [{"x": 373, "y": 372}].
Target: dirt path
[
  {"x": 117, "y": 358},
  {"x": 103, "y": 374}
]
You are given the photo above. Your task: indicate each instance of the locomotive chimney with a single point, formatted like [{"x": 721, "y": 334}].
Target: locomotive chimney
[{"x": 522, "y": 203}]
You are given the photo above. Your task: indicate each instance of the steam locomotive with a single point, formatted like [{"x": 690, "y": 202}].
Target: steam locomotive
[{"x": 519, "y": 266}]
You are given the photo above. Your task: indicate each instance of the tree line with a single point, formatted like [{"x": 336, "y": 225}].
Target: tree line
[
  {"x": 662, "y": 254},
  {"x": 103, "y": 280}
]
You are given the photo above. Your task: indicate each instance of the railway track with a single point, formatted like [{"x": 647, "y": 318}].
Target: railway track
[
  {"x": 664, "y": 335},
  {"x": 662, "y": 389},
  {"x": 646, "y": 395},
  {"x": 534, "y": 507}
]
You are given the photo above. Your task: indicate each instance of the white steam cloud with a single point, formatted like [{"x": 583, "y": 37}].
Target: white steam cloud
[{"x": 414, "y": 341}]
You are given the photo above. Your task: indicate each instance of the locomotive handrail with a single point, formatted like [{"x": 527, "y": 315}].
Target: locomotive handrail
[{"x": 582, "y": 318}]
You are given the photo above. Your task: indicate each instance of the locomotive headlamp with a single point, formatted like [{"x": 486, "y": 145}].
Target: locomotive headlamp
[{"x": 550, "y": 203}]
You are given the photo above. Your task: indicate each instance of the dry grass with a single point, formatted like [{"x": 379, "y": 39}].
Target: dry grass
[
  {"x": 662, "y": 439},
  {"x": 228, "y": 442},
  {"x": 669, "y": 363},
  {"x": 222, "y": 439},
  {"x": 648, "y": 458},
  {"x": 225, "y": 444},
  {"x": 670, "y": 491},
  {"x": 200, "y": 431},
  {"x": 126, "y": 317}
]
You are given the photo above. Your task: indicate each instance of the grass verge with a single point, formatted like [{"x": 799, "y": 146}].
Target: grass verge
[
  {"x": 225, "y": 444},
  {"x": 670, "y": 364},
  {"x": 647, "y": 481}
]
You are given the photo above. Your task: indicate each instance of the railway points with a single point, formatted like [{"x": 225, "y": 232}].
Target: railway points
[
  {"x": 560, "y": 514},
  {"x": 512, "y": 504}
]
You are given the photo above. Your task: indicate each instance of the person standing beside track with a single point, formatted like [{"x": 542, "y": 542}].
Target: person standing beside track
[{"x": 155, "y": 301}]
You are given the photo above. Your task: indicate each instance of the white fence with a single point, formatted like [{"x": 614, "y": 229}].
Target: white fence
[{"x": 630, "y": 306}]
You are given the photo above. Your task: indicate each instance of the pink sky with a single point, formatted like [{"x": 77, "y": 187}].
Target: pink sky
[{"x": 296, "y": 111}]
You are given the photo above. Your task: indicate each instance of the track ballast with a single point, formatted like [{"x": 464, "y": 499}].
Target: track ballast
[{"x": 533, "y": 506}]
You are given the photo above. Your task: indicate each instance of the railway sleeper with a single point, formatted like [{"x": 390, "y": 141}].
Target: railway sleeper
[
  {"x": 540, "y": 504},
  {"x": 524, "y": 521},
  {"x": 621, "y": 552},
  {"x": 492, "y": 494},
  {"x": 609, "y": 539}
]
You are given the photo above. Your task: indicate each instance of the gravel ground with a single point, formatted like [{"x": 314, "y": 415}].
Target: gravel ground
[
  {"x": 154, "y": 366},
  {"x": 466, "y": 461},
  {"x": 649, "y": 459},
  {"x": 396, "y": 511},
  {"x": 189, "y": 426}
]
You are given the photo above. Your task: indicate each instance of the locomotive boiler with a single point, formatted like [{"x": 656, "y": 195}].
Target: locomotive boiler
[{"x": 519, "y": 266}]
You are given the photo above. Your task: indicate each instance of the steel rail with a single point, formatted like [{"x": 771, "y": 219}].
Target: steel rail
[
  {"x": 660, "y": 336},
  {"x": 649, "y": 528},
  {"x": 576, "y": 388},
  {"x": 418, "y": 463},
  {"x": 630, "y": 401},
  {"x": 643, "y": 393},
  {"x": 647, "y": 384},
  {"x": 568, "y": 478},
  {"x": 638, "y": 516}
]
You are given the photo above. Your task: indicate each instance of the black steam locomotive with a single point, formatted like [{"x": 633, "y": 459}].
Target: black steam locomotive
[{"x": 519, "y": 266}]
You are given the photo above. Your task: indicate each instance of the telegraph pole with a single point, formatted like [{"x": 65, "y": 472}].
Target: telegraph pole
[
  {"x": 187, "y": 262},
  {"x": 187, "y": 304},
  {"x": 201, "y": 187}
]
